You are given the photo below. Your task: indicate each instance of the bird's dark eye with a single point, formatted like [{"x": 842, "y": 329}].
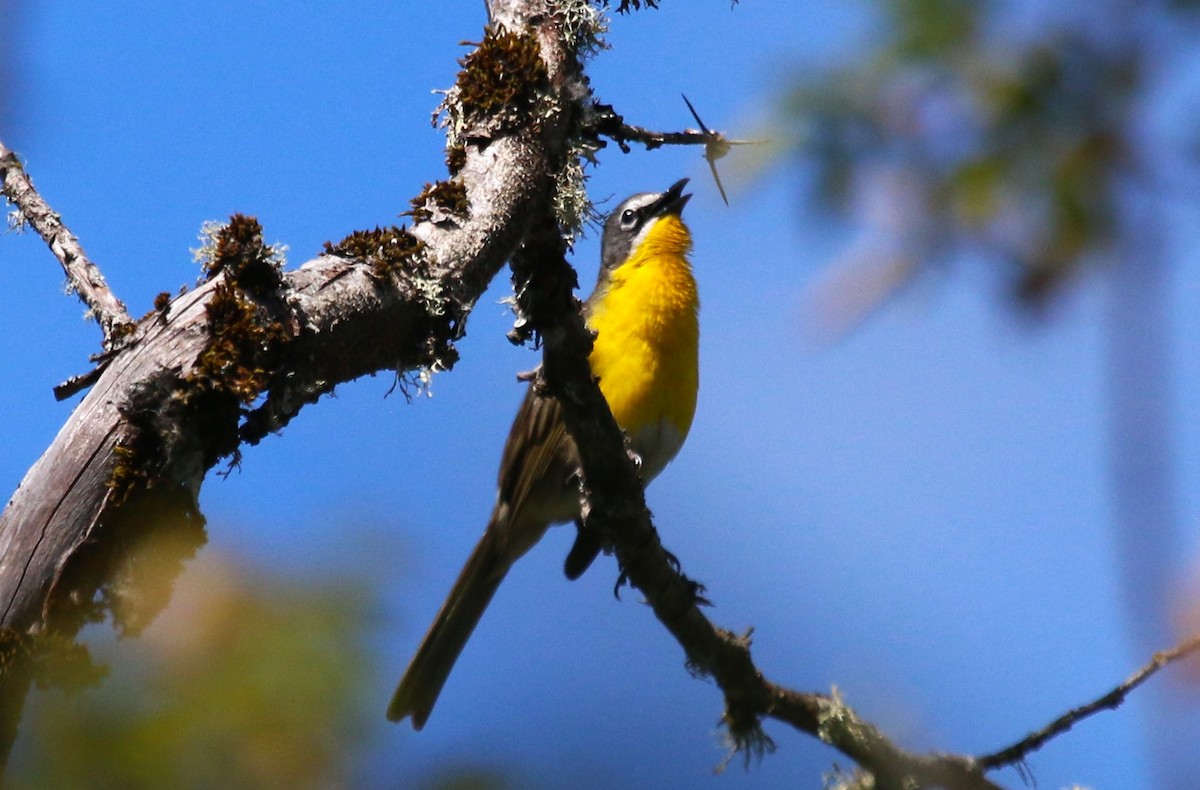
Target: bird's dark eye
[{"x": 628, "y": 218}]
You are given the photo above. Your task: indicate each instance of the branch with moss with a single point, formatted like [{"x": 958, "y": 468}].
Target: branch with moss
[{"x": 241, "y": 355}]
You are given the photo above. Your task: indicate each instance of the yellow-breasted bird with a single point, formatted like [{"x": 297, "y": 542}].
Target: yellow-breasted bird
[{"x": 644, "y": 311}]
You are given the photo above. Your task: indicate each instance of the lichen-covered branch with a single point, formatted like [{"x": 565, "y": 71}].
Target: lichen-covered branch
[
  {"x": 83, "y": 275},
  {"x": 613, "y": 502},
  {"x": 241, "y": 355}
]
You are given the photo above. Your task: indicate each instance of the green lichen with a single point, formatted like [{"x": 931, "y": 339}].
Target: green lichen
[
  {"x": 571, "y": 203},
  {"x": 581, "y": 25},
  {"x": 17, "y": 223}
]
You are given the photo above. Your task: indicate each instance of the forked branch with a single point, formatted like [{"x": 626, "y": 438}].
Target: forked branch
[{"x": 393, "y": 316}]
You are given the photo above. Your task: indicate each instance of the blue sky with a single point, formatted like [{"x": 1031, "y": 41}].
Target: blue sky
[{"x": 918, "y": 514}]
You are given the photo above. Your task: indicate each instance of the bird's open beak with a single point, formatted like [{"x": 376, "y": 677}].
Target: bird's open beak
[{"x": 673, "y": 200}]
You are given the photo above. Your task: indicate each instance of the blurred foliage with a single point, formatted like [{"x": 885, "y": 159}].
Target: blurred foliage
[
  {"x": 960, "y": 130},
  {"x": 246, "y": 680}
]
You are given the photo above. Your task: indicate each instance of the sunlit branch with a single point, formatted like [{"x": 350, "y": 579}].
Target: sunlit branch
[{"x": 83, "y": 275}]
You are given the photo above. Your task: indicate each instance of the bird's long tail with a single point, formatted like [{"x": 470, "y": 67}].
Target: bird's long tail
[{"x": 470, "y": 596}]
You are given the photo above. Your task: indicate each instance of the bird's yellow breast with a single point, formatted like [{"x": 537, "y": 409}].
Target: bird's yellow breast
[{"x": 647, "y": 343}]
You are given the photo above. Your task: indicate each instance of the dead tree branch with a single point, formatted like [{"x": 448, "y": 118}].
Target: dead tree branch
[
  {"x": 608, "y": 123},
  {"x": 612, "y": 125},
  {"x": 83, "y": 275},
  {"x": 240, "y": 356}
]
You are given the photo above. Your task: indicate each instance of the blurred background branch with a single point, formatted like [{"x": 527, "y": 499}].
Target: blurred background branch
[{"x": 1030, "y": 139}]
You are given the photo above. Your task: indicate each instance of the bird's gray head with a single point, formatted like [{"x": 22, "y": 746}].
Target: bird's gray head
[{"x": 627, "y": 224}]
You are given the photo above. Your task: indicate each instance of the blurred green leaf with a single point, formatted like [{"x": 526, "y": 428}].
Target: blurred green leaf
[
  {"x": 247, "y": 680},
  {"x": 1020, "y": 143},
  {"x": 932, "y": 28}
]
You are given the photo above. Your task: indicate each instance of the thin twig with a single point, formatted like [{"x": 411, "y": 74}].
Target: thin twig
[
  {"x": 1110, "y": 701},
  {"x": 83, "y": 275},
  {"x": 716, "y": 144},
  {"x": 79, "y": 383},
  {"x": 713, "y": 150},
  {"x": 614, "y": 127}
]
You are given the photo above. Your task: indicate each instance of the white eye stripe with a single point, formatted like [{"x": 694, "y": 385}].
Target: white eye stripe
[
  {"x": 626, "y": 228},
  {"x": 639, "y": 202},
  {"x": 630, "y": 212}
]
